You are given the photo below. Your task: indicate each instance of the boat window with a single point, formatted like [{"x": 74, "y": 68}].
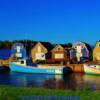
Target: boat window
[
  {"x": 42, "y": 55},
  {"x": 22, "y": 62}
]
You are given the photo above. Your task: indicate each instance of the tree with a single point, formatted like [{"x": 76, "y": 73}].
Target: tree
[{"x": 69, "y": 45}]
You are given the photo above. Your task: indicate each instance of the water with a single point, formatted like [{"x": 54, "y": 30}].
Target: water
[
  {"x": 72, "y": 81},
  {"x": 5, "y": 53}
]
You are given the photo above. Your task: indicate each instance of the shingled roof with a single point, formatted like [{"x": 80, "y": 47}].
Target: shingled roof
[
  {"x": 47, "y": 45},
  {"x": 64, "y": 45},
  {"x": 86, "y": 44}
]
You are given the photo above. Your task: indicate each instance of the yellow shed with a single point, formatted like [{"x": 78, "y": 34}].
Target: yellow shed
[{"x": 96, "y": 52}]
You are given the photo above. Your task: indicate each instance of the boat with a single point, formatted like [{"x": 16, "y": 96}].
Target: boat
[
  {"x": 93, "y": 69},
  {"x": 21, "y": 64},
  {"x": 35, "y": 69}
]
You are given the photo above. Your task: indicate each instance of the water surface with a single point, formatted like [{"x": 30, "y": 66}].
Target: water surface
[{"x": 71, "y": 81}]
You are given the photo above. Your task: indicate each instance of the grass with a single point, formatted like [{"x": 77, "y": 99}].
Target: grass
[{"x": 14, "y": 93}]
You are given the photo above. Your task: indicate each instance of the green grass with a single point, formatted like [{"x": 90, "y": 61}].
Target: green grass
[{"x": 14, "y": 93}]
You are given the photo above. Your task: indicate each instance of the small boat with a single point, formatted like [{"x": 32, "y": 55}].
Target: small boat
[
  {"x": 35, "y": 69},
  {"x": 92, "y": 69},
  {"x": 21, "y": 66}
]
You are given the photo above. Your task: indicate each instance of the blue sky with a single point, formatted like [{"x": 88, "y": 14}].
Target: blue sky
[{"x": 57, "y": 21}]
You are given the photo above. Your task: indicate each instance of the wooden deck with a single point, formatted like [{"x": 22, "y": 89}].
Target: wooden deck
[
  {"x": 4, "y": 62},
  {"x": 79, "y": 67},
  {"x": 76, "y": 67}
]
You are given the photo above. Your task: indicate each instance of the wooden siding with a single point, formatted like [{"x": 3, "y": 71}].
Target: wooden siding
[
  {"x": 84, "y": 50},
  {"x": 59, "y": 50},
  {"x": 96, "y": 52},
  {"x": 34, "y": 50}
]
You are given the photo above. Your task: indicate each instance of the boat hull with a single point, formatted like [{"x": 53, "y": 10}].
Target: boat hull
[
  {"x": 34, "y": 69},
  {"x": 90, "y": 70}
]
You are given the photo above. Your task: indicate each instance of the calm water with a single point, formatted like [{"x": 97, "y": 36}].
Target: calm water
[{"x": 71, "y": 81}]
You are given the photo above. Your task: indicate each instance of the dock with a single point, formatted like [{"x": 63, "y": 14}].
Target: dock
[
  {"x": 4, "y": 62},
  {"x": 76, "y": 67}
]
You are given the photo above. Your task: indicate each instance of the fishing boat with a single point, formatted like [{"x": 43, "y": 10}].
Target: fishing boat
[
  {"x": 21, "y": 64},
  {"x": 35, "y": 69},
  {"x": 92, "y": 69}
]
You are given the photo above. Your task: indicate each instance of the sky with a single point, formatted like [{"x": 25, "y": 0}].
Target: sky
[{"x": 56, "y": 21}]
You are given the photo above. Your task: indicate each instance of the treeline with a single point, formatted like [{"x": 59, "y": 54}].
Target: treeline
[
  {"x": 8, "y": 44},
  {"x": 27, "y": 44}
]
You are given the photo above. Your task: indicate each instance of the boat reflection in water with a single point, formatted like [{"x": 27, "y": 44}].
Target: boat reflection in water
[
  {"x": 70, "y": 81},
  {"x": 92, "y": 81}
]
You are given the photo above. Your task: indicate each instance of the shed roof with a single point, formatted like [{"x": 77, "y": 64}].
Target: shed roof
[
  {"x": 47, "y": 45},
  {"x": 88, "y": 47}
]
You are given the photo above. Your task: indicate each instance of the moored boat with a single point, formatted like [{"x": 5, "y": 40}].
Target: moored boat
[
  {"x": 93, "y": 69},
  {"x": 35, "y": 69},
  {"x": 20, "y": 65}
]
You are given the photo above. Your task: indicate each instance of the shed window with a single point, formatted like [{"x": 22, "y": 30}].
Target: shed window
[
  {"x": 58, "y": 48},
  {"x": 59, "y": 56},
  {"x": 75, "y": 47}
]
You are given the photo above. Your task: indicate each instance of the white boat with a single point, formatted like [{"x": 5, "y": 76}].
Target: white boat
[
  {"x": 92, "y": 69},
  {"x": 36, "y": 69}
]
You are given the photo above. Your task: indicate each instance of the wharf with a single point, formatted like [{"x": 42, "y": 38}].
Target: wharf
[
  {"x": 76, "y": 67},
  {"x": 79, "y": 67},
  {"x": 4, "y": 62}
]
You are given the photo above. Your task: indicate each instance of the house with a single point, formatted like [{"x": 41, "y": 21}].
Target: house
[
  {"x": 96, "y": 52},
  {"x": 60, "y": 53},
  {"x": 80, "y": 50},
  {"x": 40, "y": 51}
]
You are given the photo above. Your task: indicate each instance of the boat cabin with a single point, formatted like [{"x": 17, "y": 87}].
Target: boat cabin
[
  {"x": 19, "y": 52},
  {"x": 95, "y": 66}
]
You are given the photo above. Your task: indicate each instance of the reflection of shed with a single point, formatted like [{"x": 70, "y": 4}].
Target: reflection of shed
[
  {"x": 96, "y": 52},
  {"x": 40, "y": 50},
  {"x": 54, "y": 83},
  {"x": 80, "y": 47}
]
